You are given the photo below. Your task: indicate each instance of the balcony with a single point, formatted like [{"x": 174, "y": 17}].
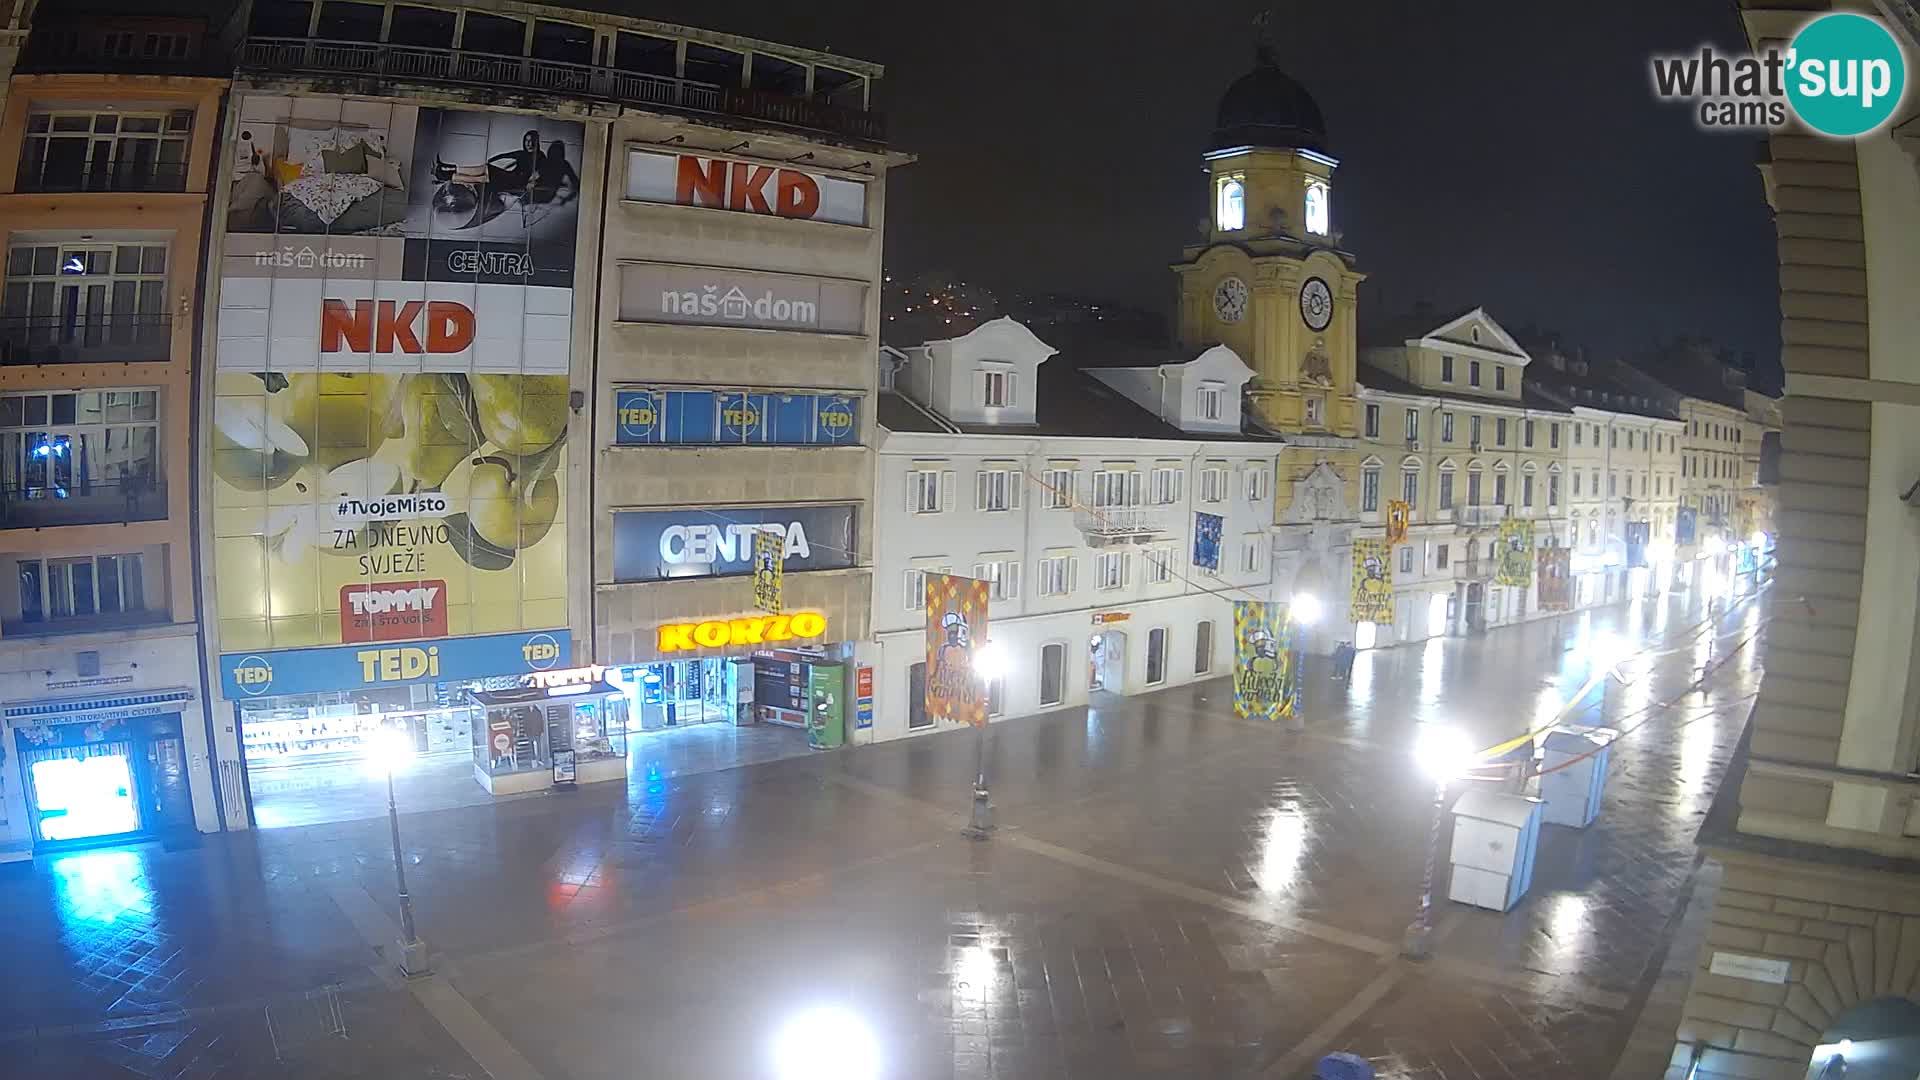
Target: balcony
[
  {"x": 1475, "y": 569},
  {"x": 381, "y": 61},
  {"x": 1479, "y": 517},
  {"x": 106, "y": 502},
  {"x": 84, "y": 624},
  {"x": 1110, "y": 525},
  {"x": 123, "y": 176},
  {"x": 107, "y": 339}
]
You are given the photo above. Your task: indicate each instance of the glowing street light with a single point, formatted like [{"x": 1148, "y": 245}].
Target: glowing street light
[
  {"x": 1305, "y": 609},
  {"x": 1444, "y": 754},
  {"x": 826, "y": 1043},
  {"x": 989, "y": 664}
]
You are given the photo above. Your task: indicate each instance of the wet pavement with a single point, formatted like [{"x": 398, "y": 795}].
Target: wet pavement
[{"x": 1172, "y": 892}]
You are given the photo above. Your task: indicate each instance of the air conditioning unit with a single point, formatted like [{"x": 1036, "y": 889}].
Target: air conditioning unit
[{"x": 1413, "y": 444}]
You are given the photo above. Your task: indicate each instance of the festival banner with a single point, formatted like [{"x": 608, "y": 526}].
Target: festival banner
[
  {"x": 1206, "y": 540},
  {"x": 1372, "y": 598},
  {"x": 1398, "y": 513},
  {"x": 1639, "y": 533},
  {"x": 956, "y": 626},
  {"x": 1266, "y": 665},
  {"x": 1684, "y": 526},
  {"x": 1515, "y": 563},
  {"x": 769, "y": 562},
  {"x": 1556, "y": 578}
]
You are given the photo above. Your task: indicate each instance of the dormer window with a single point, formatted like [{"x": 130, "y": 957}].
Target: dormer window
[
  {"x": 1232, "y": 212},
  {"x": 1206, "y": 404},
  {"x": 1319, "y": 213},
  {"x": 996, "y": 388}
]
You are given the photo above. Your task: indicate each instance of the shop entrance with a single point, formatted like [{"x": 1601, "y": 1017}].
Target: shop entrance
[
  {"x": 712, "y": 712},
  {"x": 1107, "y": 661},
  {"x": 89, "y": 783}
]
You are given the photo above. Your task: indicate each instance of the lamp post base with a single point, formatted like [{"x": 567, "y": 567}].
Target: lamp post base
[
  {"x": 413, "y": 962},
  {"x": 1417, "y": 945},
  {"x": 981, "y": 827}
]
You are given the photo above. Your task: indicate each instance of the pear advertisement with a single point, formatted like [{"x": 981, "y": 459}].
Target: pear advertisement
[{"x": 389, "y": 433}]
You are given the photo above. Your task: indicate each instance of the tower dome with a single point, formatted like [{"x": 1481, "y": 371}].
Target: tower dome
[{"x": 1265, "y": 107}]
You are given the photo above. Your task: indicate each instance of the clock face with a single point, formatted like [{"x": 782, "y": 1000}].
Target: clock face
[
  {"x": 1230, "y": 300},
  {"x": 1316, "y": 304}
]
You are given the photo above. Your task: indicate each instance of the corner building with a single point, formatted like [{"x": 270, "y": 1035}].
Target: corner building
[{"x": 425, "y": 227}]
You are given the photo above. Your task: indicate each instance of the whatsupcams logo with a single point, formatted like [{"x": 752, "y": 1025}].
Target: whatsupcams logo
[{"x": 1842, "y": 75}]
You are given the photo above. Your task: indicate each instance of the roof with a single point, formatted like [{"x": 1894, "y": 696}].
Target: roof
[
  {"x": 1386, "y": 382},
  {"x": 1070, "y": 403},
  {"x": 1413, "y": 326},
  {"x": 1593, "y": 390},
  {"x": 1266, "y": 107},
  {"x": 1693, "y": 379}
]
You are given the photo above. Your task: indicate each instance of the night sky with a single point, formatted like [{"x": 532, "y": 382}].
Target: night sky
[{"x": 1507, "y": 153}]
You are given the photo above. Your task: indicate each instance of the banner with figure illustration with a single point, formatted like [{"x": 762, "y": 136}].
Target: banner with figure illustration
[
  {"x": 389, "y": 433},
  {"x": 769, "y": 566},
  {"x": 1266, "y": 666},
  {"x": 1372, "y": 595},
  {"x": 956, "y": 628},
  {"x": 1207, "y": 530},
  {"x": 1514, "y": 564},
  {"x": 1556, "y": 578},
  {"x": 1685, "y": 526},
  {"x": 1399, "y": 512}
]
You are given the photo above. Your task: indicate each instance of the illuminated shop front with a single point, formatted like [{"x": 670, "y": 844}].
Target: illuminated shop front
[
  {"x": 321, "y": 728},
  {"x": 102, "y": 769}
]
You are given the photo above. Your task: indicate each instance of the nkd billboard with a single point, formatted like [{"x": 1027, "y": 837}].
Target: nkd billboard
[{"x": 389, "y": 437}]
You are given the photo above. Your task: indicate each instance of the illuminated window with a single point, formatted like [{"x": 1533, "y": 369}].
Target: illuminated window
[
  {"x": 1233, "y": 206},
  {"x": 1317, "y": 208}
]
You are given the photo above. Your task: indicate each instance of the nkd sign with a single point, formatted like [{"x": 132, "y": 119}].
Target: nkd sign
[
  {"x": 745, "y": 187},
  {"x": 709, "y": 296}
]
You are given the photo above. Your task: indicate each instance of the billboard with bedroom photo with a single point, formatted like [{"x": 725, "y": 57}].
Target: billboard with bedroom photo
[{"x": 389, "y": 441}]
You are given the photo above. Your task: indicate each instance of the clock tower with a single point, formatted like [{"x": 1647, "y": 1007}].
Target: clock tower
[{"x": 1270, "y": 280}]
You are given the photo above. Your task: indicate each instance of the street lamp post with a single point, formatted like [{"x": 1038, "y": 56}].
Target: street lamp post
[
  {"x": 988, "y": 664},
  {"x": 413, "y": 951},
  {"x": 1304, "y": 611},
  {"x": 1443, "y": 754}
]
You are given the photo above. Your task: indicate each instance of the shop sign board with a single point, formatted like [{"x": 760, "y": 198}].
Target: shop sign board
[
  {"x": 745, "y": 187},
  {"x": 358, "y": 667},
  {"x": 863, "y": 697},
  {"x": 653, "y": 417},
  {"x": 715, "y": 296},
  {"x": 390, "y": 420},
  {"x": 746, "y": 630},
  {"x": 655, "y": 545},
  {"x": 1764, "y": 969}
]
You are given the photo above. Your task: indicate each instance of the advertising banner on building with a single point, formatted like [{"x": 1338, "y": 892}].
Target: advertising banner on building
[
  {"x": 956, "y": 626},
  {"x": 1514, "y": 560},
  {"x": 743, "y": 186},
  {"x": 726, "y": 418},
  {"x": 1372, "y": 593},
  {"x": 1556, "y": 578},
  {"x": 717, "y": 541},
  {"x": 1685, "y": 529},
  {"x": 1207, "y": 529},
  {"x": 1266, "y": 666},
  {"x": 389, "y": 429},
  {"x": 769, "y": 559},
  {"x": 1638, "y": 535},
  {"x": 715, "y": 296},
  {"x": 349, "y": 667},
  {"x": 1398, "y": 514}
]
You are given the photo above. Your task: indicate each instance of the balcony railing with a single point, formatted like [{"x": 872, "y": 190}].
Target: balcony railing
[
  {"x": 416, "y": 63},
  {"x": 1121, "y": 524},
  {"x": 83, "y": 624},
  {"x": 104, "y": 503},
  {"x": 1473, "y": 569},
  {"x": 1479, "y": 517},
  {"x": 106, "y": 339},
  {"x": 128, "y": 176}
]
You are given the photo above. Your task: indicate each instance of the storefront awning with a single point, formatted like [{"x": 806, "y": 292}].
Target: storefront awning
[{"x": 95, "y": 709}]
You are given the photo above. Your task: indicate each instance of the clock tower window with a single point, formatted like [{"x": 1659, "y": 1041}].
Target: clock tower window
[
  {"x": 1231, "y": 215},
  {"x": 1319, "y": 212}
]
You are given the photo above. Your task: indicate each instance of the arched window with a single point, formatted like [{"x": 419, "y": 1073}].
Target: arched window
[
  {"x": 1318, "y": 218},
  {"x": 1232, "y": 213}
]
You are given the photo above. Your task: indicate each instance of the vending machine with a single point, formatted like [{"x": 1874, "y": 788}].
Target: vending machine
[{"x": 827, "y": 705}]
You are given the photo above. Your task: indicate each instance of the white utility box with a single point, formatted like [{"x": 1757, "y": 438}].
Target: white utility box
[
  {"x": 1494, "y": 837},
  {"x": 1573, "y": 774}
]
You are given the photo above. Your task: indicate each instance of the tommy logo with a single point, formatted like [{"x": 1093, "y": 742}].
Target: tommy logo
[{"x": 393, "y": 612}]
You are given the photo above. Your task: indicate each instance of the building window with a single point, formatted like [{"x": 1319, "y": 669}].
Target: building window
[
  {"x": 1056, "y": 575},
  {"x": 1203, "y": 647},
  {"x": 1499, "y": 489},
  {"x": 106, "y": 151},
  {"x": 1116, "y": 487},
  {"x": 1613, "y": 438},
  {"x": 1441, "y": 553},
  {"x": 1577, "y": 429},
  {"x": 1059, "y": 488},
  {"x": 1003, "y": 576},
  {"x": 1053, "y": 672},
  {"x": 1160, "y": 566},
  {"x": 997, "y": 489},
  {"x": 1526, "y": 434},
  {"x": 1319, "y": 213},
  {"x": 1500, "y": 431},
  {"x": 1207, "y": 401},
  {"x": 996, "y": 389},
  {"x": 1316, "y": 411},
  {"x": 1166, "y": 486},
  {"x": 1446, "y": 369},
  {"x": 1473, "y": 487},
  {"x": 1413, "y": 425},
  {"x": 1110, "y": 570},
  {"x": 1576, "y": 481},
  {"x": 1473, "y": 432},
  {"x": 1373, "y": 421},
  {"x": 1553, "y": 489},
  {"x": 1473, "y": 373},
  {"x": 1213, "y": 484},
  {"x": 1410, "y": 489},
  {"x": 914, "y": 588},
  {"x": 1446, "y": 491},
  {"x": 1256, "y": 484},
  {"x": 1252, "y": 549},
  {"x": 1156, "y": 656},
  {"x": 1526, "y": 492},
  {"x": 1370, "y": 489},
  {"x": 52, "y": 590},
  {"x": 1499, "y": 376},
  {"x": 81, "y": 456},
  {"x": 88, "y": 296},
  {"x": 1232, "y": 213},
  {"x": 923, "y": 490},
  {"x": 1406, "y": 558},
  {"x": 1446, "y": 427},
  {"x": 1613, "y": 481}
]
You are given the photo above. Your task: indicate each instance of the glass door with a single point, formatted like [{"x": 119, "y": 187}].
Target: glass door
[{"x": 82, "y": 792}]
